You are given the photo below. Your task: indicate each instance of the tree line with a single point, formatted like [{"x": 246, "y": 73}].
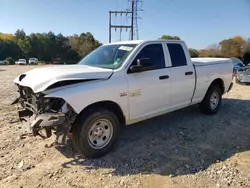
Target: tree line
[
  {"x": 46, "y": 46},
  {"x": 237, "y": 47},
  {"x": 69, "y": 49}
]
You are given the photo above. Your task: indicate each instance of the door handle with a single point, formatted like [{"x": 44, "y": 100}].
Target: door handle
[
  {"x": 189, "y": 73},
  {"x": 163, "y": 77}
]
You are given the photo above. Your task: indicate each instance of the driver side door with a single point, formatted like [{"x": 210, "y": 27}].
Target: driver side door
[{"x": 148, "y": 90}]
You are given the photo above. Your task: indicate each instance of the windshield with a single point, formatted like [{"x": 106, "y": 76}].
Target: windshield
[
  {"x": 108, "y": 56},
  {"x": 22, "y": 60}
]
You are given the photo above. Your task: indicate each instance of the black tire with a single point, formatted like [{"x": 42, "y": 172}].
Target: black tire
[
  {"x": 82, "y": 127},
  {"x": 205, "y": 105}
]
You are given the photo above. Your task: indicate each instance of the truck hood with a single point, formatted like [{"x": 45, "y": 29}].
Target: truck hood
[{"x": 40, "y": 79}]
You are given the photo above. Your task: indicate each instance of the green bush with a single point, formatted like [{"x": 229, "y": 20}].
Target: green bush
[{"x": 9, "y": 61}]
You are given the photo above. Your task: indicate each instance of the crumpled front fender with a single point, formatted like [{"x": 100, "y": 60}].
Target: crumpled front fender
[{"x": 78, "y": 96}]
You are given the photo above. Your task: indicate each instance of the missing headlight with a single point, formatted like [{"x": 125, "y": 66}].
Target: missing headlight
[
  {"x": 53, "y": 104},
  {"x": 56, "y": 104}
]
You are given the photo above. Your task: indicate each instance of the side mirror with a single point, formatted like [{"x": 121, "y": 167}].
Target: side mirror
[{"x": 141, "y": 65}]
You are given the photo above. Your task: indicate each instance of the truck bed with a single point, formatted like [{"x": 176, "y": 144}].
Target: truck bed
[
  {"x": 209, "y": 61},
  {"x": 218, "y": 68}
]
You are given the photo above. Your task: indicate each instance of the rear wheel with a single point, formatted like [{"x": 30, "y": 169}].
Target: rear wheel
[
  {"x": 96, "y": 132},
  {"x": 212, "y": 100}
]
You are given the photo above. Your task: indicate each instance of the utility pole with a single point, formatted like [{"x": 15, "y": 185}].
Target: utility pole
[
  {"x": 132, "y": 20},
  {"x": 117, "y": 26},
  {"x": 131, "y": 13},
  {"x": 109, "y": 26}
]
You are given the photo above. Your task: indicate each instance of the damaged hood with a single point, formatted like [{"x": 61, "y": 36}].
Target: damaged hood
[{"x": 41, "y": 78}]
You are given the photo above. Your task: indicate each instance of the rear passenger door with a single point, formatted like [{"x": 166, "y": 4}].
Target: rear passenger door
[{"x": 182, "y": 75}]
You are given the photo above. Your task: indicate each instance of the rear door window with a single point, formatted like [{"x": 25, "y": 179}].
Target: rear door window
[{"x": 177, "y": 55}]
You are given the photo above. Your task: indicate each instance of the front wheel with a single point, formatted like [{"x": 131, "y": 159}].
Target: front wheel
[
  {"x": 96, "y": 132},
  {"x": 212, "y": 100}
]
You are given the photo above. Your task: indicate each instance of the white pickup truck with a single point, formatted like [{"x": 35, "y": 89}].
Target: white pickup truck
[{"x": 119, "y": 84}]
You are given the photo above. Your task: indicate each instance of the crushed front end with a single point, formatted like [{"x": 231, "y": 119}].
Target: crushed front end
[{"x": 45, "y": 114}]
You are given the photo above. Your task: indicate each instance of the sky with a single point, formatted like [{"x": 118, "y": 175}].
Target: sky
[{"x": 199, "y": 23}]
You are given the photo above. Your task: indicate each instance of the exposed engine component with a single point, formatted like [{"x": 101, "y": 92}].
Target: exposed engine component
[{"x": 47, "y": 114}]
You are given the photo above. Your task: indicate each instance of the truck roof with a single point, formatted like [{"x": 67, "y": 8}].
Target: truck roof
[
  {"x": 126, "y": 42},
  {"x": 140, "y": 41}
]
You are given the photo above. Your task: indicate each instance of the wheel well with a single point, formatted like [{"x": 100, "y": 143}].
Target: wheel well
[
  {"x": 110, "y": 105},
  {"x": 219, "y": 82}
]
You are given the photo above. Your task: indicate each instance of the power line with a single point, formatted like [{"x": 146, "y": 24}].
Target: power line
[{"x": 136, "y": 7}]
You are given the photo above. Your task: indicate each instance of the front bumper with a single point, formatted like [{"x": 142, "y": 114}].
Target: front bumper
[
  {"x": 44, "y": 115},
  {"x": 43, "y": 124},
  {"x": 244, "y": 79},
  {"x": 32, "y": 62}
]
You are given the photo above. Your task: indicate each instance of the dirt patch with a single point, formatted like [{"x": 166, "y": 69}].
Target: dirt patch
[{"x": 180, "y": 149}]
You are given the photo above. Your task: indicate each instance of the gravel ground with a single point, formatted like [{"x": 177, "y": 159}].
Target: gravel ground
[{"x": 180, "y": 149}]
